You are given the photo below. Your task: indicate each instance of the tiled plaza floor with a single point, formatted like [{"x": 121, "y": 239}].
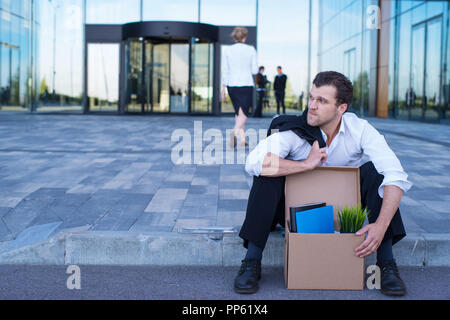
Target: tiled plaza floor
[{"x": 118, "y": 172}]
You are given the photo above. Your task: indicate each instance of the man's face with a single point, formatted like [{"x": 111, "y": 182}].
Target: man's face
[
  {"x": 279, "y": 70},
  {"x": 322, "y": 107}
]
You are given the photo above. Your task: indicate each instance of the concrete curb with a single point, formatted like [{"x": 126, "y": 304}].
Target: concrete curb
[{"x": 169, "y": 248}]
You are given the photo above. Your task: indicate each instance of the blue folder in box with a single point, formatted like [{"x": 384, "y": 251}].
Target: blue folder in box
[{"x": 318, "y": 220}]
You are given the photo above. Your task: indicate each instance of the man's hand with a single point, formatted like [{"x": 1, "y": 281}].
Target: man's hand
[
  {"x": 316, "y": 155},
  {"x": 375, "y": 235},
  {"x": 375, "y": 231}
]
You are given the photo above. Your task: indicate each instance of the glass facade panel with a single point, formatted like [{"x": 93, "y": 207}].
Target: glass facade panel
[
  {"x": 281, "y": 44},
  {"x": 228, "y": 13},
  {"x": 179, "y": 77},
  {"x": 404, "y": 97},
  {"x": 202, "y": 77},
  {"x": 433, "y": 69},
  {"x": 174, "y": 10},
  {"x": 407, "y": 4},
  {"x": 59, "y": 58},
  {"x": 112, "y": 11},
  {"x": 160, "y": 77},
  {"x": 147, "y": 90},
  {"x": 103, "y": 77},
  {"x": 418, "y": 87},
  {"x": 417, "y": 70},
  {"x": 345, "y": 46},
  {"x": 446, "y": 85},
  {"x": 134, "y": 75},
  {"x": 15, "y": 55}
]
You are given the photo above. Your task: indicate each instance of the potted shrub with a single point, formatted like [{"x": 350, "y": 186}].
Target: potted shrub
[{"x": 351, "y": 219}]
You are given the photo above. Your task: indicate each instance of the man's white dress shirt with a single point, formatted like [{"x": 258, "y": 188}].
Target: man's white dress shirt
[
  {"x": 239, "y": 65},
  {"x": 356, "y": 139}
]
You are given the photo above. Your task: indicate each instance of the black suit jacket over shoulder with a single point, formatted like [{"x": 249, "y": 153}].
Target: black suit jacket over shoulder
[{"x": 300, "y": 126}]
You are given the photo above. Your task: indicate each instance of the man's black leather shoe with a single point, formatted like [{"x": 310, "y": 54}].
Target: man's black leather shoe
[
  {"x": 391, "y": 283},
  {"x": 247, "y": 279}
]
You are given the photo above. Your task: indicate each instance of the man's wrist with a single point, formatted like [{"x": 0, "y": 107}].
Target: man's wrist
[
  {"x": 308, "y": 165},
  {"x": 383, "y": 223}
]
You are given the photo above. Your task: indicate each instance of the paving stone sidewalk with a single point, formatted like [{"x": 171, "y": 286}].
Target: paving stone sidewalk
[{"x": 115, "y": 173}]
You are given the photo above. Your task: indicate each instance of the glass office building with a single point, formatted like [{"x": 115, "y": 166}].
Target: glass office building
[
  {"x": 163, "y": 57},
  {"x": 17, "y": 53},
  {"x": 41, "y": 45},
  {"x": 397, "y": 61}
]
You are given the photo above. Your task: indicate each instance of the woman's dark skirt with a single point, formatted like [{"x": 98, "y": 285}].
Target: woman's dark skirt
[{"x": 241, "y": 97}]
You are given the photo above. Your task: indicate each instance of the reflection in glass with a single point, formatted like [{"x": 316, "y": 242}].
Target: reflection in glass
[
  {"x": 417, "y": 71},
  {"x": 134, "y": 76},
  {"x": 179, "y": 77},
  {"x": 433, "y": 70},
  {"x": 103, "y": 77},
  {"x": 202, "y": 90},
  {"x": 59, "y": 80},
  {"x": 350, "y": 64},
  {"x": 403, "y": 46},
  {"x": 283, "y": 40},
  {"x": 418, "y": 57},
  {"x": 160, "y": 77},
  {"x": 9, "y": 77},
  {"x": 147, "y": 76},
  {"x": 446, "y": 86},
  {"x": 15, "y": 52}
]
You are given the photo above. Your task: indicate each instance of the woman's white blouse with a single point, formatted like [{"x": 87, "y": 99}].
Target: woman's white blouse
[{"x": 239, "y": 65}]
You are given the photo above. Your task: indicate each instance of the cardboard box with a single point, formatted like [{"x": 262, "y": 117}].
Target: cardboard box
[{"x": 323, "y": 261}]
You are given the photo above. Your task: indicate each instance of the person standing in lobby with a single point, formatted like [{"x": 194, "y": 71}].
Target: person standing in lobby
[
  {"x": 238, "y": 67},
  {"x": 279, "y": 85},
  {"x": 261, "y": 81}
]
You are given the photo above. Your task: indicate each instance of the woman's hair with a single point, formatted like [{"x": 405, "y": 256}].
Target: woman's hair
[{"x": 239, "y": 33}]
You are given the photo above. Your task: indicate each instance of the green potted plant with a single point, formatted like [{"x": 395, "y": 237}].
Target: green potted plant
[{"x": 351, "y": 219}]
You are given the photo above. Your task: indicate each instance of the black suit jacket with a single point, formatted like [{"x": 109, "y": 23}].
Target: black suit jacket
[
  {"x": 279, "y": 84},
  {"x": 261, "y": 80},
  {"x": 300, "y": 126}
]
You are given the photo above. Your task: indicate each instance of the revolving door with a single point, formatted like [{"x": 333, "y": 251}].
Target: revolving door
[{"x": 169, "y": 75}]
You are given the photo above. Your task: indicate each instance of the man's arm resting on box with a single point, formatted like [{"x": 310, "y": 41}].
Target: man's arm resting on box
[
  {"x": 375, "y": 231},
  {"x": 395, "y": 182},
  {"x": 275, "y": 166}
]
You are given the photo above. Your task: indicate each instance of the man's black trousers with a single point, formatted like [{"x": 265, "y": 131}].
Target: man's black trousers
[
  {"x": 279, "y": 96},
  {"x": 265, "y": 208}
]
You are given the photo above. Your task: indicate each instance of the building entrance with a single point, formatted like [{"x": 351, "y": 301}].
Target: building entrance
[
  {"x": 156, "y": 67},
  {"x": 166, "y": 75}
]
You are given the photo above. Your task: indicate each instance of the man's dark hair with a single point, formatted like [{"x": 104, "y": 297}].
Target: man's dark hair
[
  {"x": 279, "y": 67},
  {"x": 261, "y": 67},
  {"x": 344, "y": 87}
]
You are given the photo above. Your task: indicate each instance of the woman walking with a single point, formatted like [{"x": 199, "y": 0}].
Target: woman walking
[{"x": 239, "y": 66}]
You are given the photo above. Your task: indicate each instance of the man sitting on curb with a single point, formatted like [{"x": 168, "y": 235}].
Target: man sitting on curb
[{"x": 325, "y": 135}]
